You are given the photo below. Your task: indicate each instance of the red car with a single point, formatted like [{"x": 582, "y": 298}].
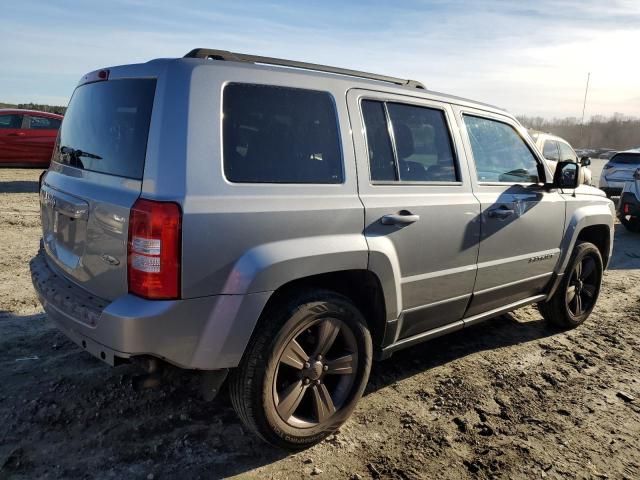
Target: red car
[{"x": 27, "y": 137}]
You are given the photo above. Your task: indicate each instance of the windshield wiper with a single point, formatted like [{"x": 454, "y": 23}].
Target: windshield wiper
[{"x": 76, "y": 153}]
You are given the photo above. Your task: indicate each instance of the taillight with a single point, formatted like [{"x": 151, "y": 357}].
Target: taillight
[
  {"x": 626, "y": 208},
  {"x": 95, "y": 76},
  {"x": 155, "y": 230}
]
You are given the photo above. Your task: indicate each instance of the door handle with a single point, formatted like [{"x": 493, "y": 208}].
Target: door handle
[
  {"x": 16, "y": 134},
  {"x": 402, "y": 218},
  {"x": 500, "y": 212}
]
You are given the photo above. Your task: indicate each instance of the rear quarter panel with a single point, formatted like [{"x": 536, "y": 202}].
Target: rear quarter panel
[{"x": 244, "y": 238}]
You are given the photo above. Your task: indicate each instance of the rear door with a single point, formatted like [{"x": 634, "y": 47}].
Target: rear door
[
  {"x": 94, "y": 179},
  {"x": 522, "y": 224},
  {"x": 11, "y": 138},
  {"x": 419, "y": 206},
  {"x": 40, "y": 135}
]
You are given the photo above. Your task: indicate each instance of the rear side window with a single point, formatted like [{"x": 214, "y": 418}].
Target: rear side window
[
  {"x": 106, "y": 127},
  {"x": 499, "y": 152},
  {"x": 10, "y": 121},
  {"x": 626, "y": 158},
  {"x": 43, "y": 123},
  {"x": 550, "y": 150},
  {"x": 567, "y": 153},
  {"x": 419, "y": 148},
  {"x": 280, "y": 135},
  {"x": 381, "y": 159}
]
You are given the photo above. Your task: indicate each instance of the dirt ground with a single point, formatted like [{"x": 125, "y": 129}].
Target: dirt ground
[{"x": 510, "y": 398}]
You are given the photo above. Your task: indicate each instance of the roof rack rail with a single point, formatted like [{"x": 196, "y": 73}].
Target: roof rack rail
[{"x": 210, "y": 54}]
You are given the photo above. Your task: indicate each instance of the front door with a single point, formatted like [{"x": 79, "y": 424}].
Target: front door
[
  {"x": 522, "y": 223},
  {"x": 11, "y": 138},
  {"x": 420, "y": 213}
]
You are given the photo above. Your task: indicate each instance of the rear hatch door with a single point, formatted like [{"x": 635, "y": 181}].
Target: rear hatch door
[
  {"x": 622, "y": 166},
  {"x": 94, "y": 179}
]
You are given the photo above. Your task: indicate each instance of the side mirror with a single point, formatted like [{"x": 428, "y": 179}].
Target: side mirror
[
  {"x": 585, "y": 161},
  {"x": 566, "y": 175},
  {"x": 636, "y": 174}
]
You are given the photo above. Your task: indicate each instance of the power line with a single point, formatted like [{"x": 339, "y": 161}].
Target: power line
[{"x": 584, "y": 106}]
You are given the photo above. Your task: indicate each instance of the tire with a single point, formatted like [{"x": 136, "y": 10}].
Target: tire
[
  {"x": 630, "y": 223},
  {"x": 578, "y": 292},
  {"x": 290, "y": 403}
]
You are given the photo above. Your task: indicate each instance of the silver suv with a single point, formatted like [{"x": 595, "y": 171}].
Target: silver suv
[
  {"x": 619, "y": 170},
  {"x": 286, "y": 223}
]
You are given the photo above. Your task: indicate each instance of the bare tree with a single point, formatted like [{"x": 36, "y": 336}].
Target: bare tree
[{"x": 618, "y": 131}]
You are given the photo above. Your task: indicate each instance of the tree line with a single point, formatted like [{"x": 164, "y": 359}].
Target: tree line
[
  {"x": 618, "y": 132},
  {"x": 36, "y": 106}
]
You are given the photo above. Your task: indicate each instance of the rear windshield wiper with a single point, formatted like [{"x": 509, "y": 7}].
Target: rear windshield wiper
[{"x": 76, "y": 153}]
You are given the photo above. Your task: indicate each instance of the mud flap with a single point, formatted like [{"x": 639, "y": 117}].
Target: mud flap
[{"x": 211, "y": 382}]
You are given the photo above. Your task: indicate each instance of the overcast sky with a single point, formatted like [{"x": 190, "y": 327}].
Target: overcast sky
[{"x": 529, "y": 57}]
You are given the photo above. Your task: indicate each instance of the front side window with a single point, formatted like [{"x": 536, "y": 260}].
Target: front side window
[
  {"x": 419, "y": 148},
  {"x": 43, "y": 123},
  {"x": 10, "y": 121},
  {"x": 500, "y": 153},
  {"x": 567, "y": 153},
  {"x": 280, "y": 135},
  {"x": 550, "y": 150}
]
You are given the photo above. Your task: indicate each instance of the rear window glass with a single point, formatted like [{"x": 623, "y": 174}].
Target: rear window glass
[
  {"x": 567, "y": 153},
  {"x": 43, "y": 123},
  {"x": 423, "y": 151},
  {"x": 422, "y": 143},
  {"x": 106, "y": 126},
  {"x": 550, "y": 150},
  {"x": 280, "y": 135},
  {"x": 626, "y": 158}
]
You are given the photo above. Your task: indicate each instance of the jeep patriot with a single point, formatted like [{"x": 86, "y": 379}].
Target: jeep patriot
[{"x": 279, "y": 225}]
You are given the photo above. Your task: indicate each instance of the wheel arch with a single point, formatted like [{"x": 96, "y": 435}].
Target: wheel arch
[
  {"x": 361, "y": 286},
  {"x": 600, "y": 236},
  {"x": 592, "y": 223}
]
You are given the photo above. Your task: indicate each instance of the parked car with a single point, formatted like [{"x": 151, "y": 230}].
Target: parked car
[
  {"x": 629, "y": 204},
  {"x": 27, "y": 137},
  {"x": 556, "y": 149},
  {"x": 619, "y": 170},
  {"x": 606, "y": 154},
  {"x": 286, "y": 226}
]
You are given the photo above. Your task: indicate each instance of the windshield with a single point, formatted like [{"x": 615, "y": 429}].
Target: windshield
[
  {"x": 626, "y": 158},
  {"x": 106, "y": 127}
]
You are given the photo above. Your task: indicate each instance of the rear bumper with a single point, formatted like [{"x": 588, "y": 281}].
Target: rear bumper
[
  {"x": 633, "y": 203},
  {"x": 205, "y": 333}
]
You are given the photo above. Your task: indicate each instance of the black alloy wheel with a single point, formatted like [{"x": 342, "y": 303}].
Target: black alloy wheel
[
  {"x": 582, "y": 286},
  {"x": 315, "y": 373},
  {"x": 576, "y": 296},
  {"x": 304, "y": 369}
]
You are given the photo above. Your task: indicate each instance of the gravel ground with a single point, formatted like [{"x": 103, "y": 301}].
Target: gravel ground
[{"x": 510, "y": 398}]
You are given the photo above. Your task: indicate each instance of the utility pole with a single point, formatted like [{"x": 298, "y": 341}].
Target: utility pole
[{"x": 584, "y": 106}]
